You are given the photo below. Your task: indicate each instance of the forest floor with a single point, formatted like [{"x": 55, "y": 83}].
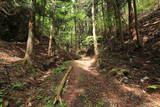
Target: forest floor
[{"x": 28, "y": 86}]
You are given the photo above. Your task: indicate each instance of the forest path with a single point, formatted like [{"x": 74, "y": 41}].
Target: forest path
[{"x": 88, "y": 88}]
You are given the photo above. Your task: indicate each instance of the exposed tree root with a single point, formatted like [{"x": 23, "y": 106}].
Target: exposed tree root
[{"x": 60, "y": 87}]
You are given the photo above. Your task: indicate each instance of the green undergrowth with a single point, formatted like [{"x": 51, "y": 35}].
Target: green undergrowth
[
  {"x": 67, "y": 62},
  {"x": 18, "y": 85},
  {"x": 154, "y": 87},
  {"x": 2, "y": 100},
  {"x": 145, "y": 5},
  {"x": 62, "y": 67}
]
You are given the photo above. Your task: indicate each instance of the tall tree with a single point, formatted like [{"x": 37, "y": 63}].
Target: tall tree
[
  {"x": 131, "y": 19},
  {"x": 136, "y": 23},
  {"x": 31, "y": 32},
  {"x": 94, "y": 28},
  {"x": 118, "y": 18},
  {"x": 133, "y": 23},
  {"x": 52, "y": 32}
]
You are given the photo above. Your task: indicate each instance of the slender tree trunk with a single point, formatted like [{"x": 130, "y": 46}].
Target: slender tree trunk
[
  {"x": 118, "y": 21},
  {"x": 50, "y": 42},
  {"x": 29, "y": 49},
  {"x": 131, "y": 17},
  {"x": 43, "y": 15},
  {"x": 136, "y": 23},
  {"x": 50, "y": 46},
  {"x": 94, "y": 29},
  {"x": 110, "y": 23},
  {"x": 75, "y": 28},
  {"x": 31, "y": 33},
  {"x": 109, "y": 16},
  {"x": 72, "y": 29},
  {"x": 75, "y": 34},
  {"x": 104, "y": 20},
  {"x": 79, "y": 34}
]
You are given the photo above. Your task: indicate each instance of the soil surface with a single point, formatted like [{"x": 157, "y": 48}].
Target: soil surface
[{"x": 89, "y": 88}]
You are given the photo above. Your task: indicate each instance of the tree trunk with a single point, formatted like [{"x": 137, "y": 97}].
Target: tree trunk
[
  {"x": 94, "y": 29},
  {"x": 109, "y": 16},
  {"x": 29, "y": 49},
  {"x": 132, "y": 29},
  {"x": 104, "y": 20},
  {"x": 50, "y": 42},
  {"x": 118, "y": 21},
  {"x": 31, "y": 34},
  {"x": 75, "y": 34},
  {"x": 136, "y": 23}
]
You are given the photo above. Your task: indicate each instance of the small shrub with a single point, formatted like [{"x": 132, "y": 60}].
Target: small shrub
[
  {"x": 63, "y": 105},
  {"x": 2, "y": 93},
  {"x": 60, "y": 69},
  {"x": 67, "y": 62},
  {"x": 1, "y": 100},
  {"x": 18, "y": 85},
  {"x": 153, "y": 87},
  {"x": 49, "y": 105},
  {"x": 100, "y": 103},
  {"x": 39, "y": 97}
]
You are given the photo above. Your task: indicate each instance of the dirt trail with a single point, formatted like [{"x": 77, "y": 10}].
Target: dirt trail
[{"x": 88, "y": 88}]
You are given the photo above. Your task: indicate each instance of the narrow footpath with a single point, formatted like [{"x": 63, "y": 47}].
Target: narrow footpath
[{"x": 86, "y": 87}]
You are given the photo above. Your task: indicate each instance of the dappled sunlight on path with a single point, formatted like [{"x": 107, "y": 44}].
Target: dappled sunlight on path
[{"x": 86, "y": 86}]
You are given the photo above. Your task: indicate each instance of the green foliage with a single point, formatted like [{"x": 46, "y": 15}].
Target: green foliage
[
  {"x": 18, "y": 85},
  {"x": 100, "y": 103},
  {"x": 49, "y": 105},
  {"x": 145, "y": 5},
  {"x": 60, "y": 69},
  {"x": 39, "y": 97},
  {"x": 48, "y": 99},
  {"x": 2, "y": 93},
  {"x": 80, "y": 16},
  {"x": 153, "y": 87},
  {"x": 1, "y": 100},
  {"x": 3, "y": 103},
  {"x": 63, "y": 105},
  {"x": 88, "y": 40},
  {"x": 67, "y": 62}
]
